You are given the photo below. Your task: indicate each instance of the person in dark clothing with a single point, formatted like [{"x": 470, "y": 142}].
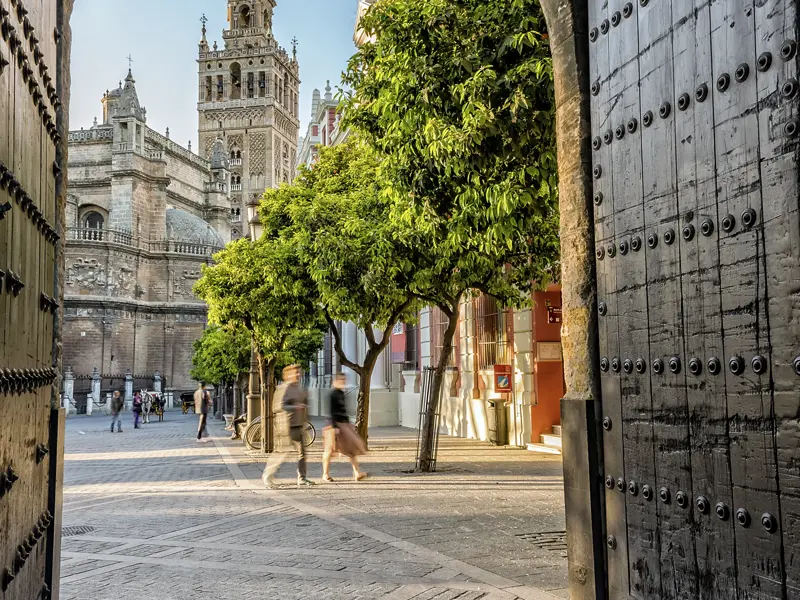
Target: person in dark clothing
[
  {"x": 137, "y": 409},
  {"x": 117, "y": 406},
  {"x": 340, "y": 436},
  {"x": 202, "y": 402}
]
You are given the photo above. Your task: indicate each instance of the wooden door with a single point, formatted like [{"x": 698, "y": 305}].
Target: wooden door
[
  {"x": 29, "y": 104},
  {"x": 695, "y": 127}
]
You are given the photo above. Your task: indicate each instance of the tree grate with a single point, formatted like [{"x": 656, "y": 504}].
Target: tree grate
[
  {"x": 553, "y": 541},
  {"x": 76, "y": 530}
]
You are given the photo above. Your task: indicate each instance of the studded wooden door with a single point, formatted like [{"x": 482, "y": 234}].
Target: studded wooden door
[
  {"x": 695, "y": 160},
  {"x": 28, "y": 216}
]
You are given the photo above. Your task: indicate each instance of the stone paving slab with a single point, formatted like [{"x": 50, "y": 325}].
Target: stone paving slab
[{"x": 174, "y": 518}]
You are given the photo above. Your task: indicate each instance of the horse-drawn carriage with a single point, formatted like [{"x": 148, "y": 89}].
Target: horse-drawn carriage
[{"x": 153, "y": 403}]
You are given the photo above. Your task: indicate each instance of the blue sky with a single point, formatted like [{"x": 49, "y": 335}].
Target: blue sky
[{"x": 162, "y": 37}]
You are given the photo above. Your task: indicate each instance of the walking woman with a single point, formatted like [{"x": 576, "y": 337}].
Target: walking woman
[
  {"x": 137, "y": 409},
  {"x": 340, "y": 436}
]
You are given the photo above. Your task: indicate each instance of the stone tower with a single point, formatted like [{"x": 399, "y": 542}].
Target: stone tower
[{"x": 248, "y": 97}]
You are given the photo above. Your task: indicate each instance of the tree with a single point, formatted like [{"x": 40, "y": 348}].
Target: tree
[
  {"x": 458, "y": 99},
  {"x": 260, "y": 286},
  {"x": 334, "y": 219},
  {"x": 221, "y": 355}
]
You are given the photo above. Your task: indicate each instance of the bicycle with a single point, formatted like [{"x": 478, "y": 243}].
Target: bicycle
[{"x": 252, "y": 435}]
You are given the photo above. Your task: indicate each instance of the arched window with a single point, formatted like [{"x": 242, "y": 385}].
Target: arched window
[
  {"x": 93, "y": 220},
  {"x": 239, "y": 154},
  {"x": 233, "y": 154},
  {"x": 244, "y": 17},
  {"x": 236, "y": 81}
]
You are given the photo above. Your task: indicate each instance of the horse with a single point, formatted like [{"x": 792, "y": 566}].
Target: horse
[{"x": 151, "y": 403}]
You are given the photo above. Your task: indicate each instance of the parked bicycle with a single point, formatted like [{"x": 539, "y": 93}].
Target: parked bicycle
[{"x": 252, "y": 435}]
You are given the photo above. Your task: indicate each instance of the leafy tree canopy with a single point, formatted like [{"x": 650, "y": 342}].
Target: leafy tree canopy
[
  {"x": 221, "y": 354},
  {"x": 335, "y": 221},
  {"x": 255, "y": 285},
  {"x": 457, "y": 98}
]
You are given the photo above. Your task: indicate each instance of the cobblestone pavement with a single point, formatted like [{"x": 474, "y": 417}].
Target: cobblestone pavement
[{"x": 151, "y": 514}]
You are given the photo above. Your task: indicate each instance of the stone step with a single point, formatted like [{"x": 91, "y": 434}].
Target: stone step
[
  {"x": 542, "y": 449},
  {"x": 551, "y": 440},
  {"x": 556, "y": 429}
]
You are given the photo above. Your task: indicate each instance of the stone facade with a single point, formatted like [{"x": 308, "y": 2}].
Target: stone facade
[
  {"x": 324, "y": 129},
  {"x": 143, "y": 215},
  {"x": 249, "y": 98}
]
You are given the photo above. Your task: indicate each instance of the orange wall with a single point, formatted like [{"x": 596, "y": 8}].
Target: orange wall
[{"x": 548, "y": 379}]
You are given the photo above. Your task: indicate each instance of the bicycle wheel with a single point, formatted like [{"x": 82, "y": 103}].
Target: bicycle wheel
[
  {"x": 252, "y": 436},
  {"x": 309, "y": 434}
]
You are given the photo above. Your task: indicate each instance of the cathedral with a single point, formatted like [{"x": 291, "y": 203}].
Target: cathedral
[{"x": 144, "y": 213}]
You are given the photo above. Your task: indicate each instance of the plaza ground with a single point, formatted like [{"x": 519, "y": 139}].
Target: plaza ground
[{"x": 151, "y": 514}]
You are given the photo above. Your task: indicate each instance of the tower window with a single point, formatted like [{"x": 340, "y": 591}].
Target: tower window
[
  {"x": 93, "y": 220},
  {"x": 220, "y": 124},
  {"x": 236, "y": 81},
  {"x": 244, "y": 16}
]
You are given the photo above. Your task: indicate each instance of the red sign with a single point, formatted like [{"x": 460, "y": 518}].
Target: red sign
[
  {"x": 553, "y": 314},
  {"x": 399, "y": 343},
  {"x": 503, "y": 379}
]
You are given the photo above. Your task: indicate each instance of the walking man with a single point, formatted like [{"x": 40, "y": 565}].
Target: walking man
[
  {"x": 290, "y": 407},
  {"x": 117, "y": 406},
  {"x": 202, "y": 401}
]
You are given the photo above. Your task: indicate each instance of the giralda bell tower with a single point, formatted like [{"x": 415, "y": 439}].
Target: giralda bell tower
[{"x": 248, "y": 97}]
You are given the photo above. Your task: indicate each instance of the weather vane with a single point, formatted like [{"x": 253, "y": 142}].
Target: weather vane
[
  {"x": 130, "y": 62},
  {"x": 294, "y": 43},
  {"x": 204, "y": 20}
]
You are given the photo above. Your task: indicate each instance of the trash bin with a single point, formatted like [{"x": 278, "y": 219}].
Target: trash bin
[{"x": 498, "y": 422}]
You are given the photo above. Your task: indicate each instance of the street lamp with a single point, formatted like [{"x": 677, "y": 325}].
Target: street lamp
[
  {"x": 253, "y": 218},
  {"x": 255, "y": 404}
]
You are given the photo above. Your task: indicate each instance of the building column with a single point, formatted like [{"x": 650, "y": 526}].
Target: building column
[
  {"x": 95, "y": 395},
  {"x": 69, "y": 389},
  {"x": 350, "y": 347},
  {"x": 378, "y": 380},
  {"x": 129, "y": 388},
  {"x": 426, "y": 349},
  {"x": 523, "y": 376}
]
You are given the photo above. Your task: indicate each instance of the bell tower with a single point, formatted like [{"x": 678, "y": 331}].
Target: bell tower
[{"x": 248, "y": 96}]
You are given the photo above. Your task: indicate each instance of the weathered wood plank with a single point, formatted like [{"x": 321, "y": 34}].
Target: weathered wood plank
[
  {"x": 25, "y": 331},
  {"x": 711, "y": 478},
  {"x": 637, "y": 422},
  {"x": 670, "y": 411},
  {"x": 614, "y": 461},
  {"x": 743, "y": 287},
  {"x": 776, "y": 24}
]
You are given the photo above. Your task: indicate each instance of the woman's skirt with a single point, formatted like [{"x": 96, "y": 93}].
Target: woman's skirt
[{"x": 345, "y": 440}]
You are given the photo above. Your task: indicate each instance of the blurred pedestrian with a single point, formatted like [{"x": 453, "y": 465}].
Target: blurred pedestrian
[
  {"x": 339, "y": 435},
  {"x": 117, "y": 406},
  {"x": 137, "y": 409},
  {"x": 290, "y": 407},
  {"x": 202, "y": 402}
]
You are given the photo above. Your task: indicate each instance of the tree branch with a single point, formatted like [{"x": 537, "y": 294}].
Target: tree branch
[
  {"x": 370, "y": 336},
  {"x": 337, "y": 344}
]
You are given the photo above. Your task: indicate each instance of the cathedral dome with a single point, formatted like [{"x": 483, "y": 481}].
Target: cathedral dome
[{"x": 187, "y": 228}]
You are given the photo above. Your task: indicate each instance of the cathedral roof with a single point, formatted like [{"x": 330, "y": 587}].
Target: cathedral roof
[{"x": 186, "y": 227}]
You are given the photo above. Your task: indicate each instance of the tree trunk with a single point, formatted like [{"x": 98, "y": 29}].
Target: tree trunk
[
  {"x": 425, "y": 463},
  {"x": 266, "y": 370},
  {"x": 364, "y": 384}
]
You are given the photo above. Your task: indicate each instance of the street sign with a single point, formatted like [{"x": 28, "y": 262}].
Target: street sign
[
  {"x": 553, "y": 314},
  {"x": 503, "y": 379}
]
